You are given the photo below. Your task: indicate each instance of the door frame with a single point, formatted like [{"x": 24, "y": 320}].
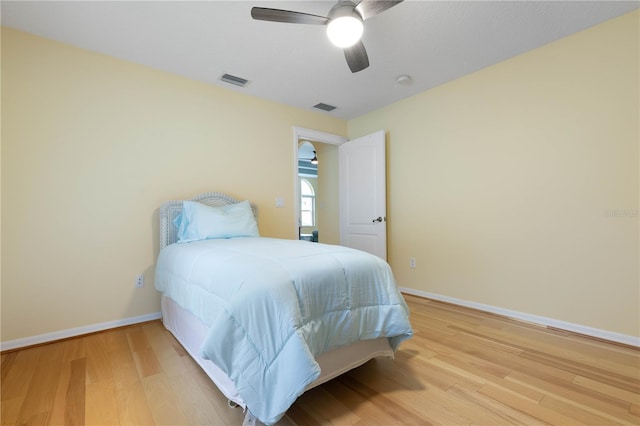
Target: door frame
[{"x": 300, "y": 134}]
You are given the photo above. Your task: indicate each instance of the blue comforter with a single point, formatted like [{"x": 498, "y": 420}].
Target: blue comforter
[{"x": 272, "y": 305}]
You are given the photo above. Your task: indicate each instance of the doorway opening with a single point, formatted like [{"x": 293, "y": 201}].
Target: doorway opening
[
  {"x": 308, "y": 144},
  {"x": 308, "y": 184}
]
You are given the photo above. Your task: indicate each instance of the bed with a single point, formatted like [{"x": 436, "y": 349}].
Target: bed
[{"x": 266, "y": 318}]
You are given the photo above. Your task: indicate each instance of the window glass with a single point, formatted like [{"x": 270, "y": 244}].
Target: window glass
[{"x": 307, "y": 203}]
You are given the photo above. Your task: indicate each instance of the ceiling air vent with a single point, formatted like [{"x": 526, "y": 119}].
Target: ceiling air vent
[
  {"x": 238, "y": 81},
  {"x": 324, "y": 107}
]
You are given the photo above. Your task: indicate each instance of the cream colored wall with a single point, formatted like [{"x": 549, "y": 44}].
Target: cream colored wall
[
  {"x": 91, "y": 145},
  {"x": 523, "y": 177},
  {"x": 0, "y": 187},
  {"x": 517, "y": 186},
  {"x": 327, "y": 204}
]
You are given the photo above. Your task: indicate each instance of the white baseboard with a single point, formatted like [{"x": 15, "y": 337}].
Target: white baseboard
[
  {"x": 536, "y": 319},
  {"x": 544, "y": 321},
  {"x": 78, "y": 331}
]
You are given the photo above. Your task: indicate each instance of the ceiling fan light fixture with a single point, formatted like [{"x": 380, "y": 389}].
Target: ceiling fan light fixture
[
  {"x": 314, "y": 160},
  {"x": 344, "y": 25},
  {"x": 345, "y": 31}
]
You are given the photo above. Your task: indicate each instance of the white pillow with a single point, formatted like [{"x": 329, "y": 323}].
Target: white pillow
[{"x": 200, "y": 222}]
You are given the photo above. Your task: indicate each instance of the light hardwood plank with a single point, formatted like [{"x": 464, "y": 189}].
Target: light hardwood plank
[
  {"x": 169, "y": 359},
  {"x": 586, "y": 399},
  {"x": 162, "y": 401},
  {"x": 578, "y": 413},
  {"x": 524, "y": 405},
  {"x": 40, "y": 397},
  {"x": 10, "y": 410},
  {"x": 497, "y": 413},
  {"x": 18, "y": 375},
  {"x": 123, "y": 366},
  {"x": 216, "y": 398},
  {"x": 75, "y": 348},
  {"x": 75, "y": 408},
  {"x": 196, "y": 405},
  {"x": 144, "y": 356},
  {"x": 69, "y": 403},
  {"x": 372, "y": 407},
  {"x": 326, "y": 409},
  {"x": 146, "y": 363},
  {"x": 133, "y": 408},
  {"x": 606, "y": 389},
  {"x": 101, "y": 404},
  {"x": 7, "y": 360},
  {"x": 98, "y": 363}
]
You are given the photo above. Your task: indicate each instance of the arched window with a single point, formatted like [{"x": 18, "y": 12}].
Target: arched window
[{"x": 307, "y": 204}]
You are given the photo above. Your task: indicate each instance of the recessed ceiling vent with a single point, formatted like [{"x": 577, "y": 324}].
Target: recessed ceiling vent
[
  {"x": 324, "y": 107},
  {"x": 238, "y": 81}
]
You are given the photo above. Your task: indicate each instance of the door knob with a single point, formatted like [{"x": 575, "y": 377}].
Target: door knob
[{"x": 379, "y": 219}]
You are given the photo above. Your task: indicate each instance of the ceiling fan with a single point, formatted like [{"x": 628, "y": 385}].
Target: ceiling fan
[
  {"x": 313, "y": 160},
  {"x": 344, "y": 25}
]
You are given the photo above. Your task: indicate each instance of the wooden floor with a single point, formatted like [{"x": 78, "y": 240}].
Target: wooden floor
[{"x": 461, "y": 367}]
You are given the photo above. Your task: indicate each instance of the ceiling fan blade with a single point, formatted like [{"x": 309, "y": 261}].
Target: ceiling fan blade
[
  {"x": 369, "y": 8},
  {"x": 288, "y": 16},
  {"x": 356, "y": 57}
]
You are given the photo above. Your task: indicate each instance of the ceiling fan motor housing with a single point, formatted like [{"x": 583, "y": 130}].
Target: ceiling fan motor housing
[{"x": 344, "y": 8}]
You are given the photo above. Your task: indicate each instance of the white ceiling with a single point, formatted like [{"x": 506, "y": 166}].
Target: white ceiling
[{"x": 432, "y": 41}]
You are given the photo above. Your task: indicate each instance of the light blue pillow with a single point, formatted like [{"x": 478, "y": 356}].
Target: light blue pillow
[
  {"x": 180, "y": 224},
  {"x": 200, "y": 222}
]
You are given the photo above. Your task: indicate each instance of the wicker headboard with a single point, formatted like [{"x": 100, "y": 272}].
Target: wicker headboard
[{"x": 170, "y": 209}]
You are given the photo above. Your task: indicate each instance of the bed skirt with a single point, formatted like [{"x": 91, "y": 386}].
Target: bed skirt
[{"x": 191, "y": 333}]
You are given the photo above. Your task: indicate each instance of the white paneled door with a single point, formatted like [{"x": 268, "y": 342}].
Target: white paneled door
[{"x": 363, "y": 202}]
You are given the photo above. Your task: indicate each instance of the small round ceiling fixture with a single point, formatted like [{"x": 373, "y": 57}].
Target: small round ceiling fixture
[{"x": 404, "y": 80}]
